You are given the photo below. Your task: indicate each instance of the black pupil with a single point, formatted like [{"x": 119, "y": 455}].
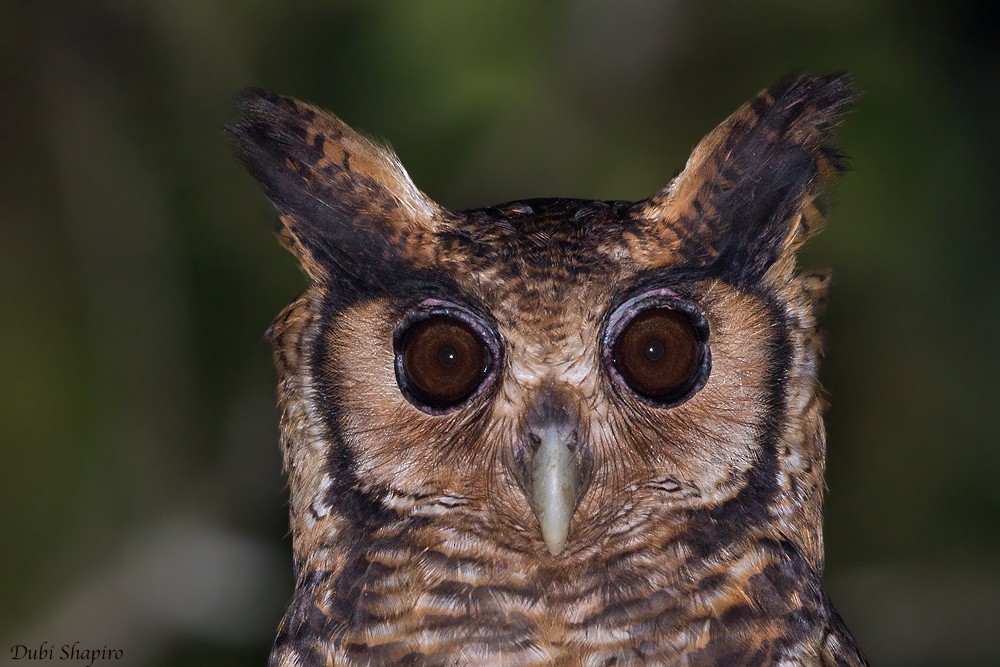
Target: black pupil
[
  {"x": 655, "y": 349},
  {"x": 447, "y": 356}
]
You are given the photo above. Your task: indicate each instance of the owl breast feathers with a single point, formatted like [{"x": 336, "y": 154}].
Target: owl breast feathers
[{"x": 555, "y": 431}]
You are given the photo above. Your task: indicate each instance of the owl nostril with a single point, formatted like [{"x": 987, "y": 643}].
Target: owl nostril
[{"x": 535, "y": 441}]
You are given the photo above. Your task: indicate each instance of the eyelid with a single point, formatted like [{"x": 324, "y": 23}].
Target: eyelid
[
  {"x": 664, "y": 296},
  {"x": 430, "y": 307}
]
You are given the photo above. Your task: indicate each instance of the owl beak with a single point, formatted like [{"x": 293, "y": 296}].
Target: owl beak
[
  {"x": 552, "y": 465},
  {"x": 556, "y": 485}
]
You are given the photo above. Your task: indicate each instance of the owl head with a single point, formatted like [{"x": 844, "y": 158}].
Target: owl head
[{"x": 552, "y": 377}]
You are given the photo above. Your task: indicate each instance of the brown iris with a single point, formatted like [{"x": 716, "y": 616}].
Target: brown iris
[
  {"x": 444, "y": 360},
  {"x": 658, "y": 354}
]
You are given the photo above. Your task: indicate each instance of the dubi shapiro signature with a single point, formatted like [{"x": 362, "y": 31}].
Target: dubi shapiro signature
[{"x": 67, "y": 652}]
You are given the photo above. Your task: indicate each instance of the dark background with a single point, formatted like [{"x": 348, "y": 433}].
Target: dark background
[{"x": 142, "y": 502}]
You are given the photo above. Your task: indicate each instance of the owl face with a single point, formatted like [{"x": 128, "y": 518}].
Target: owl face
[
  {"x": 554, "y": 376},
  {"x": 550, "y": 391}
]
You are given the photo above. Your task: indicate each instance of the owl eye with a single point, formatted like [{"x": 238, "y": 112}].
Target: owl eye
[
  {"x": 441, "y": 361},
  {"x": 660, "y": 352}
]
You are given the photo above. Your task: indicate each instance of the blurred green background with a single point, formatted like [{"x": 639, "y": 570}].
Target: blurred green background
[{"x": 142, "y": 502}]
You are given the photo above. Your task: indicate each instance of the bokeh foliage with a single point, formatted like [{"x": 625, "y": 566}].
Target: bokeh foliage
[{"x": 141, "y": 497}]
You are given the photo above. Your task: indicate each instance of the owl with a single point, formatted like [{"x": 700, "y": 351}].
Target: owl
[{"x": 555, "y": 431}]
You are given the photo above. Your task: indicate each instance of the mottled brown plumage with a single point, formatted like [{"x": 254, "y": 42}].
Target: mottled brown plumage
[{"x": 422, "y": 532}]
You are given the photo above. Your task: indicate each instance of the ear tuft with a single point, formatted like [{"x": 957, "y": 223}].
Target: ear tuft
[
  {"x": 745, "y": 202},
  {"x": 344, "y": 204}
]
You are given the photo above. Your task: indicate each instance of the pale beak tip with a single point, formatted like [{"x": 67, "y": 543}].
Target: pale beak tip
[
  {"x": 554, "y": 519},
  {"x": 555, "y": 545}
]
